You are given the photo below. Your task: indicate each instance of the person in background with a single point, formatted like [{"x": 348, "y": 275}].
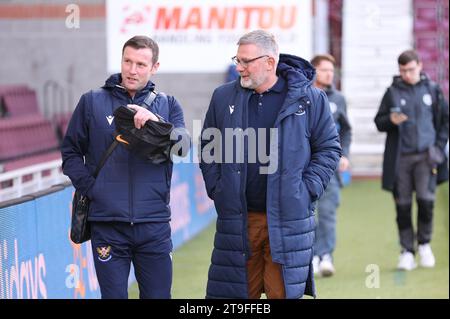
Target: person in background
[
  {"x": 325, "y": 241},
  {"x": 232, "y": 74},
  {"x": 414, "y": 114}
]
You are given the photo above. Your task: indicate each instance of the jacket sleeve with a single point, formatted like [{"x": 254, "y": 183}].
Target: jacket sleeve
[
  {"x": 75, "y": 146},
  {"x": 383, "y": 117},
  {"x": 442, "y": 133},
  {"x": 325, "y": 148},
  {"x": 179, "y": 134},
  {"x": 210, "y": 169},
  {"x": 345, "y": 133}
]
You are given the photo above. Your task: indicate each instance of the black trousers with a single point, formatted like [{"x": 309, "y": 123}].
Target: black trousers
[{"x": 414, "y": 175}]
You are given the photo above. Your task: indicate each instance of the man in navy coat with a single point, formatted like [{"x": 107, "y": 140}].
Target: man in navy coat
[
  {"x": 269, "y": 148},
  {"x": 129, "y": 212}
]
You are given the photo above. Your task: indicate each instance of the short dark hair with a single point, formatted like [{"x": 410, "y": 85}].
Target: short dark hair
[
  {"x": 142, "y": 42},
  {"x": 408, "y": 56},
  {"x": 323, "y": 57}
]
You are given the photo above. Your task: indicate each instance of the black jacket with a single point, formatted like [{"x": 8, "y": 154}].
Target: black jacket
[{"x": 393, "y": 139}]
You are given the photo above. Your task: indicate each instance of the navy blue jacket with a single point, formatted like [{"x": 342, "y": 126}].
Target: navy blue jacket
[
  {"x": 307, "y": 152},
  {"x": 128, "y": 188}
]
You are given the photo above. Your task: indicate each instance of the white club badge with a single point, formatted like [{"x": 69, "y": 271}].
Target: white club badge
[
  {"x": 333, "y": 107},
  {"x": 427, "y": 99},
  {"x": 402, "y": 102}
]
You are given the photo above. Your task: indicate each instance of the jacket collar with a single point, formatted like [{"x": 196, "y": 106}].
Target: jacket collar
[
  {"x": 298, "y": 73},
  {"x": 113, "y": 84},
  {"x": 397, "y": 81}
]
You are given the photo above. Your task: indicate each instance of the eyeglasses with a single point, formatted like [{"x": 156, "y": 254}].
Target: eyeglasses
[{"x": 245, "y": 63}]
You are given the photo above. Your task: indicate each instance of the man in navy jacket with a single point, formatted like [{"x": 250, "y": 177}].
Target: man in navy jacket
[
  {"x": 265, "y": 224},
  {"x": 129, "y": 212}
]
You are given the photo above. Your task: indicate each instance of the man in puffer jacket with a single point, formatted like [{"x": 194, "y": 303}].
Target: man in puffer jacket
[
  {"x": 264, "y": 203},
  {"x": 129, "y": 212}
]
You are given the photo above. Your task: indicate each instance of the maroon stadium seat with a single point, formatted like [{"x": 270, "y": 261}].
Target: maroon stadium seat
[
  {"x": 13, "y": 88},
  {"x": 22, "y": 102},
  {"x": 26, "y": 136},
  {"x": 30, "y": 160}
]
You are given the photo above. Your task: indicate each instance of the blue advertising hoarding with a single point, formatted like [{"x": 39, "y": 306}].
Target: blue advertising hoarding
[{"x": 38, "y": 260}]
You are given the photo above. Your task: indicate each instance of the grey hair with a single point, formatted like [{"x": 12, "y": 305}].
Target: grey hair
[{"x": 262, "y": 39}]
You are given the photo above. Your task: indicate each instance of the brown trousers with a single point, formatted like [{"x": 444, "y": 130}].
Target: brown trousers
[{"x": 263, "y": 274}]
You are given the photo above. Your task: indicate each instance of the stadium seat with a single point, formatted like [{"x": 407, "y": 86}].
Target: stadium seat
[
  {"x": 25, "y": 136},
  {"x": 12, "y": 88},
  {"x": 9, "y": 89},
  {"x": 19, "y": 101},
  {"x": 30, "y": 160}
]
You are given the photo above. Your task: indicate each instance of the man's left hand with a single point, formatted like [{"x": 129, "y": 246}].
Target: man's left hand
[
  {"x": 344, "y": 164},
  {"x": 142, "y": 115}
]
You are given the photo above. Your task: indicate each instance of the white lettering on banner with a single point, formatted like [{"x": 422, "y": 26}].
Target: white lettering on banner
[
  {"x": 202, "y": 29},
  {"x": 23, "y": 280}
]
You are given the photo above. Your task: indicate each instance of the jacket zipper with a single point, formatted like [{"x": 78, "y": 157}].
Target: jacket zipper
[
  {"x": 243, "y": 184},
  {"x": 130, "y": 189},
  {"x": 130, "y": 184}
]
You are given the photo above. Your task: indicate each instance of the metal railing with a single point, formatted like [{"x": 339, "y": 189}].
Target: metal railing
[{"x": 31, "y": 179}]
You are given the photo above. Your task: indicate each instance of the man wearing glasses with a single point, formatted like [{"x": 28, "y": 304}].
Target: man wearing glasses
[
  {"x": 284, "y": 150},
  {"x": 414, "y": 114}
]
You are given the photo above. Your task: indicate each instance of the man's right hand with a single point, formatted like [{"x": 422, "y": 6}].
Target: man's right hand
[
  {"x": 142, "y": 115},
  {"x": 398, "y": 118}
]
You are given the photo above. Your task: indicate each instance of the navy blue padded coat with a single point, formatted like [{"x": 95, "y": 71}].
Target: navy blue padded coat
[{"x": 307, "y": 153}]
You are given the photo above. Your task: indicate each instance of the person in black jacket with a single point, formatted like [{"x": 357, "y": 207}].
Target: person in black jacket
[
  {"x": 325, "y": 240},
  {"x": 414, "y": 114},
  {"x": 129, "y": 211}
]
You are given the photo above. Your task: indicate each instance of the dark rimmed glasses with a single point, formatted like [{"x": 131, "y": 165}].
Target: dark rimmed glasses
[{"x": 245, "y": 63}]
